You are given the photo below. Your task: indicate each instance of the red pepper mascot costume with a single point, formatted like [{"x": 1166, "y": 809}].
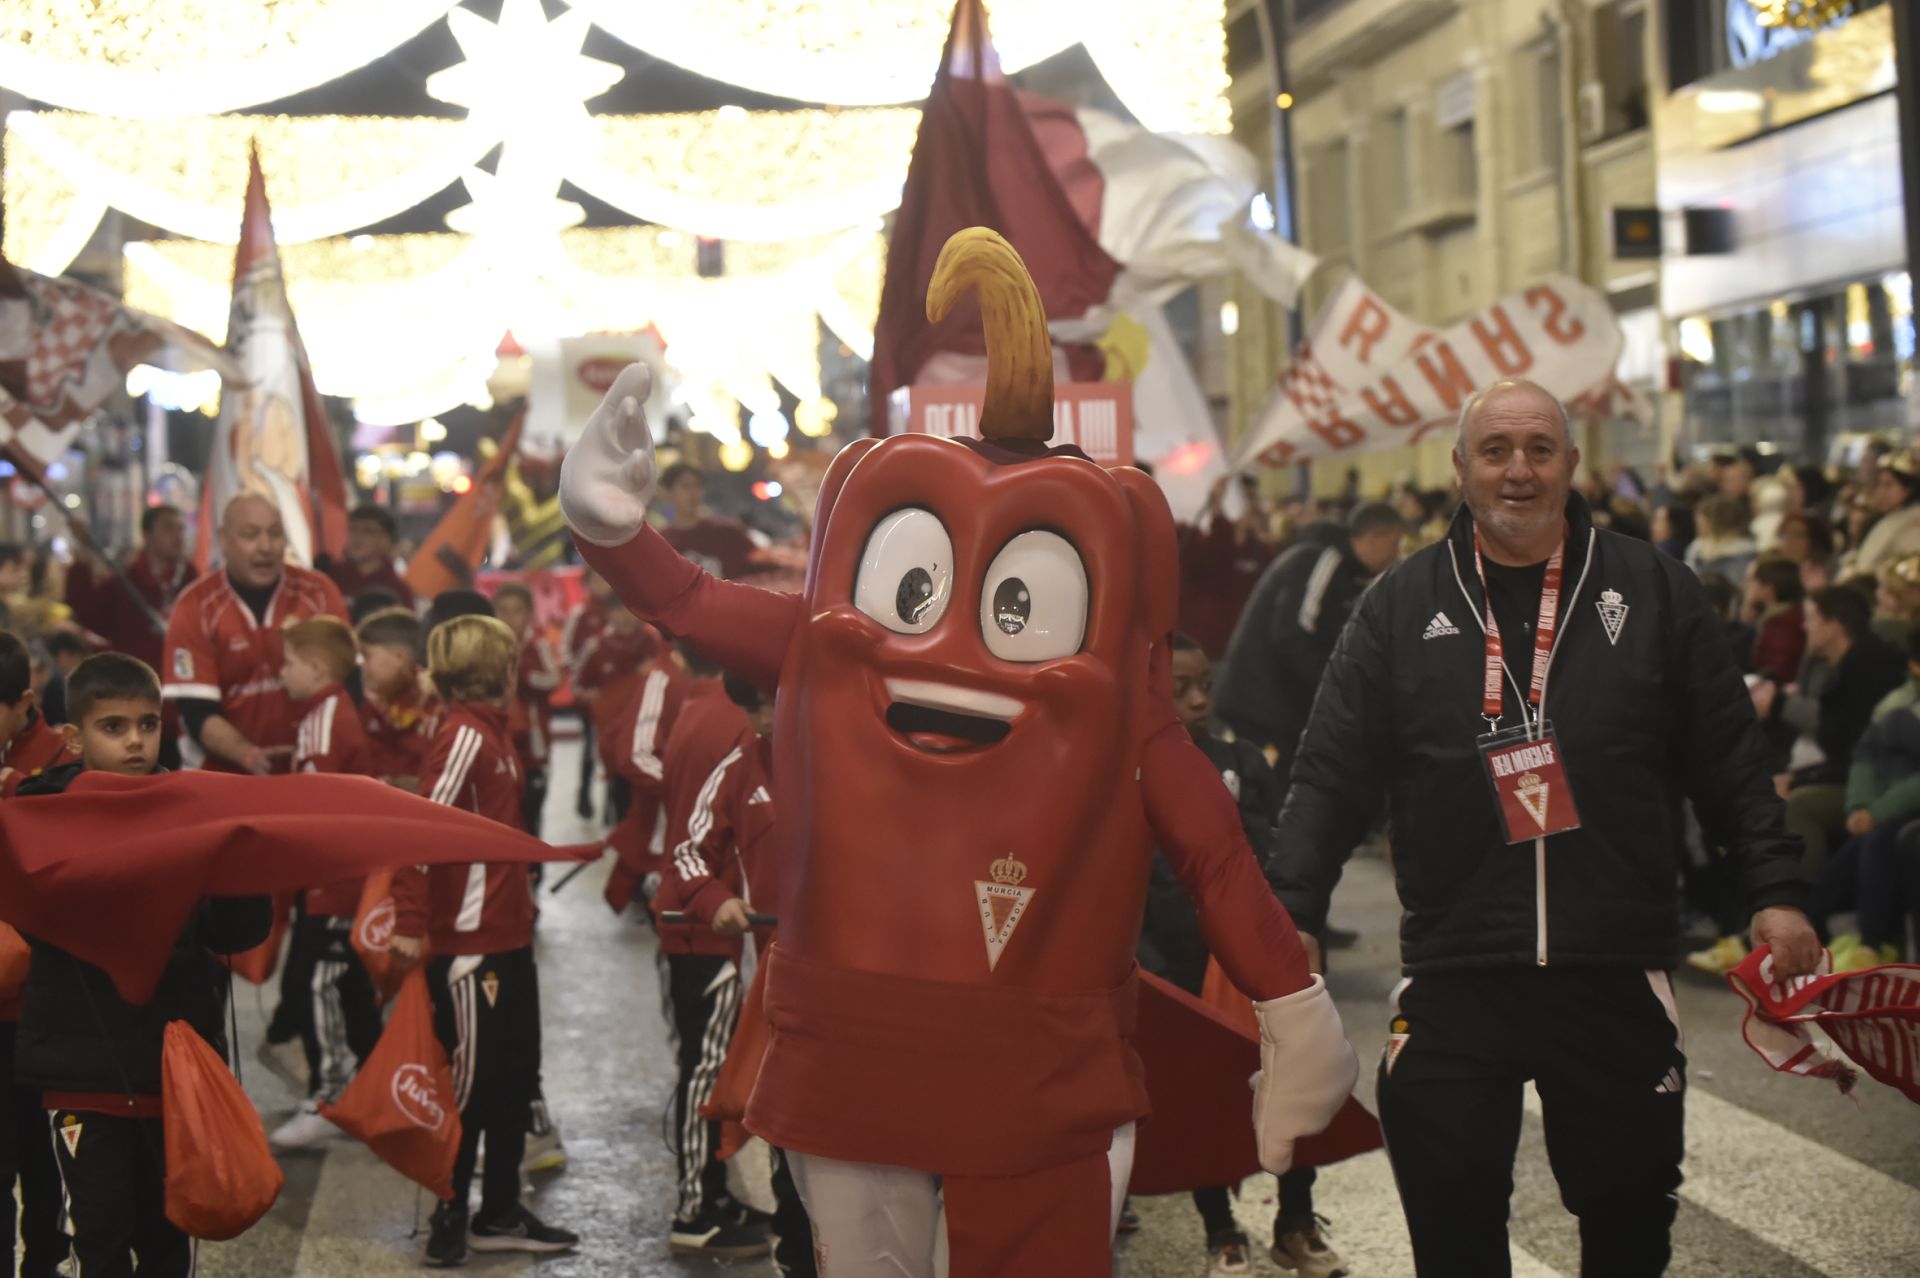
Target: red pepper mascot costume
[{"x": 976, "y": 753}]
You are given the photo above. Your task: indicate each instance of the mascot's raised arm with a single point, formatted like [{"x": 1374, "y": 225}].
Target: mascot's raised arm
[{"x": 976, "y": 752}]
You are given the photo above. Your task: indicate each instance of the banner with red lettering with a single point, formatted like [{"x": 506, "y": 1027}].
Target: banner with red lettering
[
  {"x": 1370, "y": 377},
  {"x": 1095, "y": 416}
]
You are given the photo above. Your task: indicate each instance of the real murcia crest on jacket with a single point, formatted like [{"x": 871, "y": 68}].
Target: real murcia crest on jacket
[
  {"x": 1613, "y": 614},
  {"x": 1002, "y": 903}
]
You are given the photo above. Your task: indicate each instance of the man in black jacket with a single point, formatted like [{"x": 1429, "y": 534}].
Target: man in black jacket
[
  {"x": 1284, "y": 637},
  {"x": 1536, "y": 869},
  {"x": 95, "y": 1056}
]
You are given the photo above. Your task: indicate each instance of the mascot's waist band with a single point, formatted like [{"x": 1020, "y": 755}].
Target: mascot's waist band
[{"x": 963, "y": 1080}]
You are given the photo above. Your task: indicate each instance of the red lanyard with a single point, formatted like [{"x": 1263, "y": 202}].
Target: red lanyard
[{"x": 1493, "y": 695}]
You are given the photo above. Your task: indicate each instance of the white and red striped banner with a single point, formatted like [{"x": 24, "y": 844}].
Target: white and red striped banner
[
  {"x": 1873, "y": 1016},
  {"x": 1370, "y": 377}
]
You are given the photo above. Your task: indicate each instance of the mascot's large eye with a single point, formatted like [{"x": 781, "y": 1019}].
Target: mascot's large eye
[
  {"x": 1034, "y": 604},
  {"x": 906, "y": 572}
]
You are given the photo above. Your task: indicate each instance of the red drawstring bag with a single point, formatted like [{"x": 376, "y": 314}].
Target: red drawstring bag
[
  {"x": 221, "y": 1177},
  {"x": 259, "y": 963},
  {"x": 15, "y": 958},
  {"x": 373, "y": 934},
  {"x": 400, "y": 1104}
]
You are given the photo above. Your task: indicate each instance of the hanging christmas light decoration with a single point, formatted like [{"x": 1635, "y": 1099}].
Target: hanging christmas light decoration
[
  {"x": 1800, "y": 15},
  {"x": 1166, "y": 59},
  {"x": 330, "y": 173},
  {"x": 156, "y": 59}
]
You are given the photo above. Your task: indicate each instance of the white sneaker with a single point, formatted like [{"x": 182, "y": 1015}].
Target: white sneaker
[{"x": 306, "y": 1129}]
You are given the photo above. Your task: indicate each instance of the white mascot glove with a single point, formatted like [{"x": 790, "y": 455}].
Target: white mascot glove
[
  {"x": 1307, "y": 1071},
  {"x": 609, "y": 474}
]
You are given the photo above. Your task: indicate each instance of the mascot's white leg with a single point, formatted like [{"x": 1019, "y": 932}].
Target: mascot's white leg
[
  {"x": 1120, "y": 1164},
  {"x": 870, "y": 1221}
]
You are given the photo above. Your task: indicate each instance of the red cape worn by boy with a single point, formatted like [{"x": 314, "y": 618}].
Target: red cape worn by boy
[
  {"x": 112, "y": 880},
  {"x": 976, "y": 750}
]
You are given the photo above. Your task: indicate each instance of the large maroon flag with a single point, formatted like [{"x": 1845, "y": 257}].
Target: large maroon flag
[
  {"x": 1199, "y": 1134},
  {"x": 976, "y": 162},
  {"x": 273, "y": 437},
  {"x": 112, "y": 870}
]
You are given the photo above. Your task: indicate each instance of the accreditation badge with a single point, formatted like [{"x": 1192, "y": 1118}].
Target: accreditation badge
[{"x": 1529, "y": 781}]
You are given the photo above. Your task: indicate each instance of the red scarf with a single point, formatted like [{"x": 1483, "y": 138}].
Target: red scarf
[{"x": 1873, "y": 1016}]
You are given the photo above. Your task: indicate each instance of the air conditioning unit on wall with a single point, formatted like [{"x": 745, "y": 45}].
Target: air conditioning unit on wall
[{"x": 1593, "y": 112}]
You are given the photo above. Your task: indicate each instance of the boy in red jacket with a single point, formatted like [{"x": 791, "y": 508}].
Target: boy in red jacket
[
  {"x": 477, "y": 922},
  {"x": 531, "y": 715},
  {"x": 703, "y": 878},
  {"x": 319, "y": 655},
  {"x": 399, "y": 716},
  {"x": 28, "y": 746}
]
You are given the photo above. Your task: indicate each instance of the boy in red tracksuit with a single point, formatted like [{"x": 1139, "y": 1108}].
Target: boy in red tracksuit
[
  {"x": 584, "y": 624},
  {"x": 531, "y": 715},
  {"x": 28, "y": 746},
  {"x": 703, "y": 965},
  {"x": 477, "y": 922},
  {"x": 345, "y": 1024},
  {"x": 398, "y": 715},
  {"x": 633, "y": 749}
]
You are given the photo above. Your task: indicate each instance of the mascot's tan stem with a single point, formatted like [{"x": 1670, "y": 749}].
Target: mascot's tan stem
[{"x": 1019, "y": 354}]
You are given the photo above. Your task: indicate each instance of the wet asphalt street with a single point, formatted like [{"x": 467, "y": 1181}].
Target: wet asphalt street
[{"x": 1785, "y": 1179}]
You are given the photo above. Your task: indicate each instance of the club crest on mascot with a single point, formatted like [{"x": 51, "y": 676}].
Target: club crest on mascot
[{"x": 976, "y": 754}]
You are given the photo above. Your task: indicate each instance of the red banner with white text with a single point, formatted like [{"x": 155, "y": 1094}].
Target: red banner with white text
[{"x": 1095, "y": 416}]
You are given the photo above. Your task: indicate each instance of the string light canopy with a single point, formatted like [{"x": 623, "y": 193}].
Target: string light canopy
[
  {"x": 733, "y": 174},
  {"x": 153, "y": 59},
  {"x": 724, "y": 175},
  {"x": 1802, "y": 15},
  {"x": 1166, "y": 59},
  {"x": 327, "y": 173},
  {"x": 407, "y": 325}
]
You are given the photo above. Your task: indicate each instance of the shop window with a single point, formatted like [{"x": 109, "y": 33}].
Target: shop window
[
  {"x": 1329, "y": 212},
  {"x": 1620, "y": 61},
  {"x": 1396, "y": 162},
  {"x": 1549, "y": 119}
]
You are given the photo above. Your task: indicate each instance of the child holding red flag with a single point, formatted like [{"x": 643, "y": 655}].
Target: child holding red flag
[
  {"x": 319, "y": 654},
  {"x": 477, "y": 922},
  {"x": 96, "y": 1056}
]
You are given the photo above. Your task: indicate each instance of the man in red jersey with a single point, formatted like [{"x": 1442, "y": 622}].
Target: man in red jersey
[{"x": 223, "y": 652}]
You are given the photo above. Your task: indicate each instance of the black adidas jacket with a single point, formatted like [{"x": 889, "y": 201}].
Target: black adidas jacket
[
  {"x": 1647, "y": 715},
  {"x": 1265, "y": 684},
  {"x": 78, "y": 1035}
]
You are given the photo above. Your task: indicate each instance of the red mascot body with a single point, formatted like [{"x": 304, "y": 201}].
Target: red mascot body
[{"x": 976, "y": 753}]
